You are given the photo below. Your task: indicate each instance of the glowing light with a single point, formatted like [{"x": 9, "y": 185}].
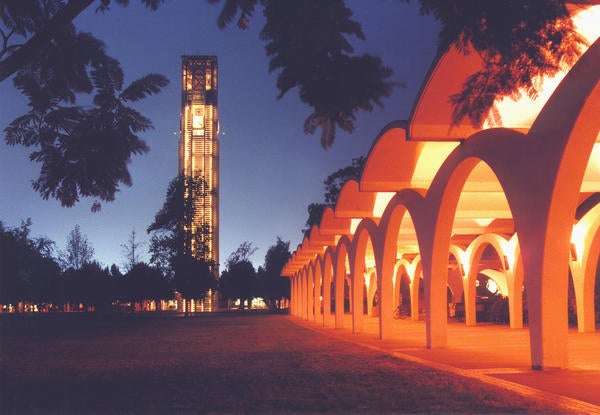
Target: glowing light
[
  {"x": 520, "y": 112},
  {"x": 509, "y": 250},
  {"x": 483, "y": 222},
  {"x": 431, "y": 157},
  {"x": 464, "y": 262},
  {"x": 578, "y": 238},
  {"x": 586, "y": 23},
  {"x": 381, "y": 201},
  {"x": 491, "y": 286},
  {"x": 354, "y": 224},
  {"x": 591, "y": 179}
]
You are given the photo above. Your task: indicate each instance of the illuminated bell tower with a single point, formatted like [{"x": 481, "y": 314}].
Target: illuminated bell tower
[{"x": 199, "y": 146}]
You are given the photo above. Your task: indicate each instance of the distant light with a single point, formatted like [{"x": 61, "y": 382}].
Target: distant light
[{"x": 491, "y": 286}]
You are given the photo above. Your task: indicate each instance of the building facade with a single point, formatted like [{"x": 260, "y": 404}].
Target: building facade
[
  {"x": 440, "y": 204},
  {"x": 199, "y": 150}
]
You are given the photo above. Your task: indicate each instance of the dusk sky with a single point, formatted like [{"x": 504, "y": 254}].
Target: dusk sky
[{"x": 270, "y": 170}]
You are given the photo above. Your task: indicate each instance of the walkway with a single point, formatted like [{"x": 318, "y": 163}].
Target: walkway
[{"x": 493, "y": 354}]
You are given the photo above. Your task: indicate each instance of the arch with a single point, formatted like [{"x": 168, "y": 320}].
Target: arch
[
  {"x": 372, "y": 294},
  {"x": 343, "y": 250},
  {"x": 403, "y": 267},
  {"x": 310, "y": 291},
  {"x": 540, "y": 174},
  {"x": 318, "y": 289},
  {"x": 416, "y": 302},
  {"x": 456, "y": 275},
  {"x": 567, "y": 126},
  {"x": 328, "y": 272},
  {"x": 585, "y": 242},
  {"x": 406, "y": 201},
  {"x": 366, "y": 233},
  {"x": 474, "y": 253}
]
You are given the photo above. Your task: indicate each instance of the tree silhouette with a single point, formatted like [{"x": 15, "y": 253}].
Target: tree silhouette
[
  {"x": 333, "y": 186},
  {"x": 193, "y": 277},
  {"x": 131, "y": 251},
  {"x": 308, "y": 44},
  {"x": 272, "y": 286},
  {"x": 143, "y": 282},
  {"x": 175, "y": 249},
  {"x": 171, "y": 232},
  {"x": 78, "y": 250},
  {"x": 518, "y": 41},
  {"x": 90, "y": 286},
  {"x": 27, "y": 270},
  {"x": 238, "y": 280},
  {"x": 307, "y": 41},
  {"x": 83, "y": 150}
]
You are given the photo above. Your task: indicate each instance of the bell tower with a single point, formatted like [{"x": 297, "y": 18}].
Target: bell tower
[{"x": 199, "y": 149}]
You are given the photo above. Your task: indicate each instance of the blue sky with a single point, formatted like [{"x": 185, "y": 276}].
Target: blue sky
[{"x": 270, "y": 170}]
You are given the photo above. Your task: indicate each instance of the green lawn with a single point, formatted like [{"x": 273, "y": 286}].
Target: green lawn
[{"x": 220, "y": 363}]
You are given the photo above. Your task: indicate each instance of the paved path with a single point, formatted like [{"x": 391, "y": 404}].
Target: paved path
[{"x": 493, "y": 354}]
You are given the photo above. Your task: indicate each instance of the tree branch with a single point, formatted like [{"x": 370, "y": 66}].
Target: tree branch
[{"x": 27, "y": 52}]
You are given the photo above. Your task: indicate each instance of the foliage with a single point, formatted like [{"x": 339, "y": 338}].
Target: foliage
[
  {"x": 242, "y": 253},
  {"x": 272, "y": 286},
  {"x": 238, "y": 280},
  {"x": 83, "y": 149},
  {"x": 78, "y": 251},
  {"x": 518, "y": 41},
  {"x": 27, "y": 269},
  {"x": 193, "y": 277},
  {"x": 170, "y": 235},
  {"x": 170, "y": 229},
  {"x": 29, "y": 273},
  {"x": 91, "y": 285},
  {"x": 307, "y": 41},
  {"x": 143, "y": 282},
  {"x": 315, "y": 213},
  {"x": 175, "y": 250},
  {"x": 336, "y": 180},
  {"x": 333, "y": 186},
  {"x": 131, "y": 251}
]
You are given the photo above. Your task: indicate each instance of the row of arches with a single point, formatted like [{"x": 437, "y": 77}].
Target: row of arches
[{"x": 429, "y": 212}]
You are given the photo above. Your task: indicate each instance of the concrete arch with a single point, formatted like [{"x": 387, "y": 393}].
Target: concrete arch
[
  {"x": 585, "y": 246},
  {"x": 415, "y": 287},
  {"x": 310, "y": 291},
  {"x": 456, "y": 284},
  {"x": 372, "y": 294},
  {"x": 442, "y": 200},
  {"x": 406, "y": 201},
  {"x": 318, "y": 289},
  {"x": 567, "y": 126},
  {"x": 328, "y": 272},
  {"x": 474, "y": 253},
  {"x": 403, "y": 266},
  {"x": 366, "y": 232},
  {"x": 305, "y": 284},
  {"x": 541, "y": 175},
  {"x": 343, "y": 250}
]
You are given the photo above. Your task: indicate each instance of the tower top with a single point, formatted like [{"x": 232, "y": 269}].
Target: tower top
[{"x": 187, "y": 58}]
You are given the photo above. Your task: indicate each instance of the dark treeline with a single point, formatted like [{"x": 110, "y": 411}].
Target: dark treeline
[{"x": 34, "y": 276}]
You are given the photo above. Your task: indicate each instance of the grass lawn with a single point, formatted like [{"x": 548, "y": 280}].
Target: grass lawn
[{"x": 220, "y": 363}]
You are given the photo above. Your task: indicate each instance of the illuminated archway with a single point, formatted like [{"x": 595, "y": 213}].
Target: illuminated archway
[
  {"x": 362, "y": 251},
  {"x": 540, "y": 168},
  {"x": 400, "y": 206},
  {"x": 341, "y": 268},
  {"x": 327, "y": 287}
]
